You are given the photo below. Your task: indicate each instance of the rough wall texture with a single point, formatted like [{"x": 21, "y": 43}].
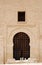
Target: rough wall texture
[{"x": 9, "y": 25}]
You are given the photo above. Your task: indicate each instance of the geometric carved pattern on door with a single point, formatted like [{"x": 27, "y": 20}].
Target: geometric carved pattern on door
[{"x": 21, "y": 46}]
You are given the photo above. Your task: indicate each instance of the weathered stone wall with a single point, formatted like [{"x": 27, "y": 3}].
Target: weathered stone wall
[{"x": 9, "y": 25}]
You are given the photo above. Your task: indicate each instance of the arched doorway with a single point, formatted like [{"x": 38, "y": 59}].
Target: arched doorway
[{"x": 21, "y": 46}]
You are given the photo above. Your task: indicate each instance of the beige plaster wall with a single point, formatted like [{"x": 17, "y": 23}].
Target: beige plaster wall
[{"x": 33, "y": 24}]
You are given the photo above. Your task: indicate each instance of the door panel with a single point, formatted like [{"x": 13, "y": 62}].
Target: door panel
[{"x": 21, "y": 46}]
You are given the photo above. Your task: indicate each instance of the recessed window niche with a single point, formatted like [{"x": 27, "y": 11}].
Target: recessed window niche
[{"x": 21, "y": 16}]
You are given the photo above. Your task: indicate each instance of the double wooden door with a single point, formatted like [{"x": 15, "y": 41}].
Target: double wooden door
[{"x": 21, "y": 46}]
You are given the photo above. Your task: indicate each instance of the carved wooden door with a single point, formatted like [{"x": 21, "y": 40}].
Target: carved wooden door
[{"x": 21, "y": 46}]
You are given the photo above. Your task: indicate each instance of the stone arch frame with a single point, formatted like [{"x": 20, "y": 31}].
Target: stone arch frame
[{"x": 10, "y": 40}]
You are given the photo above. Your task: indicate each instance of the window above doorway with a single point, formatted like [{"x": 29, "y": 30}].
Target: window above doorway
[{"x": 21, "y": 16}]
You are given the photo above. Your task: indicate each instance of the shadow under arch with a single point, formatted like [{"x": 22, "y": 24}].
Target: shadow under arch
[{"x": 21, "y": 47}]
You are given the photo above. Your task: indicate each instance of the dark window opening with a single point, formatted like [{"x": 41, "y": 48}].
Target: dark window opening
[
  {"x": 21, "y": 16},
  {"x": 21, "y": 46}
]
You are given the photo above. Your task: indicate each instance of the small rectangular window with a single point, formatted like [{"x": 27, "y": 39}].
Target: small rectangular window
[{"x": 21, "y": 16}]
